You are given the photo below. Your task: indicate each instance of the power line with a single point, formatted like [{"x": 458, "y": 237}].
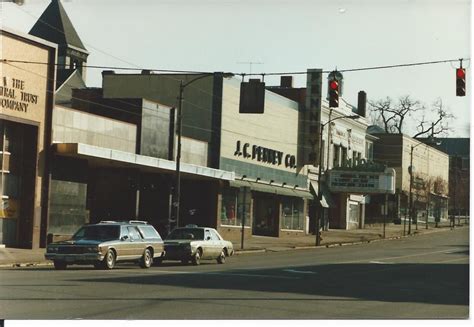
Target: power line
[{"x": 5, "y": 60}]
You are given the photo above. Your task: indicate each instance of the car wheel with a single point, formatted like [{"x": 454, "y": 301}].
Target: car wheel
[
  {"x": 196, "y": 259},
  {"x": 147, "y": 259},
  {"x": 60, "y": 265},
  {"x": 221, "y": 257},
  {"x": 109, "y": 260}
]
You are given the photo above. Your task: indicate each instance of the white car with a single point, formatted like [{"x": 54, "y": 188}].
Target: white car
[{"x": 193, "y": 243}]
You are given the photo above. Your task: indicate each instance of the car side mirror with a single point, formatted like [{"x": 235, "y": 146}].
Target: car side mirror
[
  {"x": 124, "y": 238},
  {"x": 208, "y": 238}
]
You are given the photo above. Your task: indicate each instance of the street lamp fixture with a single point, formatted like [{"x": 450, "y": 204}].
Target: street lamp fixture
[
  {"x": 320, "y": 193},
  {"x": 431, "y": 140},
  {"x": 179, "y": 126}
]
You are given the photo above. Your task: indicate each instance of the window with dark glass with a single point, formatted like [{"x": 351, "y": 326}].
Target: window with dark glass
[
  {"x": 336, "y": 156},
  {"x": 292, "y": 214},
  {"x": 231, "y": 210}
]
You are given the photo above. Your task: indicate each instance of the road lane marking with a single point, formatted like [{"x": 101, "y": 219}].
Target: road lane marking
[
  {"x": 252, "y": 275},
  {"x": 452, "y": 260},
  {"x": 170, "y": 272},
  {"x": 382, "y": 263},
  {"x": 398, "y": 257},
  {"x": 300, "y": 271}
]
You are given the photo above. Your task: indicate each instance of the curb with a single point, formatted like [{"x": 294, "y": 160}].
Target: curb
[
  {"x": 25, "y": 264},
  {"x": 264, "y": 250}
]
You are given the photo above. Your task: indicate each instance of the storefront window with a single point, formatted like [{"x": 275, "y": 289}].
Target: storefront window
[
  {"x": 292, "y": 214},
  {"x": 231, "y": 210},
  {"x": 11, "y": 157}
]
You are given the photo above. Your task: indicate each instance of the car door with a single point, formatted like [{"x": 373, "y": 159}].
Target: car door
[
  {"x": 217, "y": 243},
  {"x": 136, "y": 243},
  {"x": 124, "y": 246},
  {"x": 209, "y": 246}
]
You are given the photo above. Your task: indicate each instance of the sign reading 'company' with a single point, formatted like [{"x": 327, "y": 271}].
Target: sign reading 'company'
[
  {"x": 264, "y": 154},
  {"x": 13, "y": 95}
]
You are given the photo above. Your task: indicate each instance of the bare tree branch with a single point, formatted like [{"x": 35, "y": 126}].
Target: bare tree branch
[
  {"x": 392, "y": 117},
  {"x": 439, "y": 126}
]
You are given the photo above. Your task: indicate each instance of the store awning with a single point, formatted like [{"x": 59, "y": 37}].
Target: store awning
[
  {"x": 274, "y": 189},
  {"x": 107, "y": 157},
  {"x": 326, "y": 200}
]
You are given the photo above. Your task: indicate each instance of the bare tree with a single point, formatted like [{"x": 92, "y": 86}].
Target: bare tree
[
  {"x": 439, "y": 126},
  {"x": 392, "y": 116}
]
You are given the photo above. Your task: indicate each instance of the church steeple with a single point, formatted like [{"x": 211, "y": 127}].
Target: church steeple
[{"x": 55, "y": 26}]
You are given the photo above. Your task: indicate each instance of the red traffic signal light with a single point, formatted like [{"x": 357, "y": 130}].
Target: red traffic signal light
[
  {"x": 460, "y": 82},
  {"x": 333, "y": 94}
]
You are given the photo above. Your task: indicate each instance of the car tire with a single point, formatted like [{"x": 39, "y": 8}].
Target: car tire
[
  {"x": 147, "y": 259},
  {"x": 109, "y": 260},
  {"x": 196, "y": 259},
  {"x": 221, "y": 257},
  {"x": 59, "y": 265}
]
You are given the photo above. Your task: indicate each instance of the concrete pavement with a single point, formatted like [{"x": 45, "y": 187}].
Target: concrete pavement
[{"x": 14, "y": 257}]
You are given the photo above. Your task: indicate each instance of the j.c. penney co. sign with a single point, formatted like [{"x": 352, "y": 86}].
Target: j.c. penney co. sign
[{"x": 263, "y": 154}]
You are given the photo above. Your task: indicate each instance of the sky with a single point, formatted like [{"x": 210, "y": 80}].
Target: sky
[{"x": 282, "y": 36}]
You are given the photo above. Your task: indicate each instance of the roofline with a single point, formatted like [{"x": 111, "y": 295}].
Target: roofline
[
  {"x": 77, "y": 48},
  {"x": 67, "y": 79},
  {"x": 29, "y": 37}
]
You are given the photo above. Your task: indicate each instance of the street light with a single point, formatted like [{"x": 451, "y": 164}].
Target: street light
[
  {"x": 411, "y": 187},
  {"x": 320, "y": 193},
  {"x": 179, "y": 122}
]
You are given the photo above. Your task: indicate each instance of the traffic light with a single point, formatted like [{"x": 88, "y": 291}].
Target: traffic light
[
  {"x": 333, "y": 94},
  {"x": 460, "y": 82}
]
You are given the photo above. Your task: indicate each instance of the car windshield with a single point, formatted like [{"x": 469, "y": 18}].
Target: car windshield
[
  {"x": 97, "y": 232},
  {"x": 186, "y": 234}
]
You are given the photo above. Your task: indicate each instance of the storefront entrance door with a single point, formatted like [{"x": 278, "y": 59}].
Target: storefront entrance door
[{"x": 266, "y": 215}]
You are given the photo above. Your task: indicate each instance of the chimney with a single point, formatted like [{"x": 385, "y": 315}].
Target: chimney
[
  {"x": 361, "y": 103},
  {"x": 286, "y": 81}
]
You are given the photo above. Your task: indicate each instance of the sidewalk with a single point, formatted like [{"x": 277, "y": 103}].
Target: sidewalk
[{"x": 13, "y": 257}]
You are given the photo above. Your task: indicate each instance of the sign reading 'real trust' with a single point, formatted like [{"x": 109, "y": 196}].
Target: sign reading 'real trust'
[{"x": 13, "y": 95}]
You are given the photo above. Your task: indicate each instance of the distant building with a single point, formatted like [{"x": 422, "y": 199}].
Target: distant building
[
  {"x": 429, "y": 189},
  {"x": 458, "y": 150}
]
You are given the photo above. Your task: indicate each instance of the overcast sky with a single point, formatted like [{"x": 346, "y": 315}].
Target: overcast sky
[{"x": 283, "y": 36}]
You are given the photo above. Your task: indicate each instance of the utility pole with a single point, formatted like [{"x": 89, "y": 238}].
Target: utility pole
[{"x": 411, "y": 189}]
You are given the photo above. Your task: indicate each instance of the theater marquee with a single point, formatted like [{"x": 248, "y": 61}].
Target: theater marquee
[{"x": 363, "y": 182}]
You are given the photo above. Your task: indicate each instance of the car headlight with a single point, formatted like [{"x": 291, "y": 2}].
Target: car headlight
[
  {"x": 93, "y": 249},
  {"x": 52, "y": 249}
]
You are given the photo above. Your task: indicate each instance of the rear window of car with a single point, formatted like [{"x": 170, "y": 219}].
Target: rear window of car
[
  {"x": 149, "y": 232},
  {"x": 186, "y": 234}
]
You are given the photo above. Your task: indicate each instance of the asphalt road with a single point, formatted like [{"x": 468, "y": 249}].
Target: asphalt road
[{"x": 425, "y": 276}]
